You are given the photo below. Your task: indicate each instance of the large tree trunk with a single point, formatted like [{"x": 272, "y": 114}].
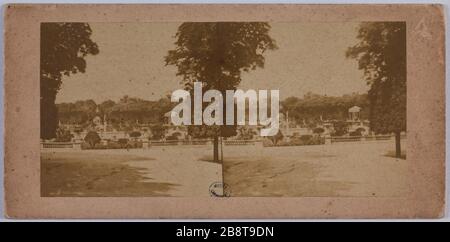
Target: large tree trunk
[
  {"x": 49, "y": 112},
  {"x": 216, "y": 148},
  {"x": 398, "y": 150},
  {"x": 49, "y": 118}
]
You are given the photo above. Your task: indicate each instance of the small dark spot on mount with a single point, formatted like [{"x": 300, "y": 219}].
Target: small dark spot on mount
[{"x": 17, "y": 109}]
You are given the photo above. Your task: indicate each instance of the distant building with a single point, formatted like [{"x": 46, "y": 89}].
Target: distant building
[
  {"x": 354, "y": 113},
  {"x": 356, "y": 123}
]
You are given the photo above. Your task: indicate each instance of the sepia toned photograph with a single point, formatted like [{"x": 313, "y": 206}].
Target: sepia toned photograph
[{"x": 223, "y": 109}]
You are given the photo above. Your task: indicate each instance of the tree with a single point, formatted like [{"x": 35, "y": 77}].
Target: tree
[
  {"x": 106, "y": 106},
  {"x": 216, "y": 54},
  {"x": 381, "y": 54},
  {"x": 79, "y": 112},
  {"x": 63, "y": 49},
  {"x": 92, "y": 138}
]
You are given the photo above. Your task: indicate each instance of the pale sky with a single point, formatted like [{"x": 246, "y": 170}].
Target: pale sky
[{"x": 310, "y": 58}]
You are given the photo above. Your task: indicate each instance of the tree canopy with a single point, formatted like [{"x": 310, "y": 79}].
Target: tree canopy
[
  {"x": 381, "y": 54},
  {"x": 127, "y": 112},
  {"x": 216, "y": 54},
  {"x": 312, "y": 107}
]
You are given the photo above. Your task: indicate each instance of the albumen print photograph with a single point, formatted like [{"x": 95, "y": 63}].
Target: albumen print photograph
[{"x": 223, "y": 109}]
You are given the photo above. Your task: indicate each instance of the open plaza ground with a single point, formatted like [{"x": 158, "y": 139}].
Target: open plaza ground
[{"x": 348, "y": 169}]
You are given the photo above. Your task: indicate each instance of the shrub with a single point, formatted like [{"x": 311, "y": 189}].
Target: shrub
[
  {"x": 114, "y": 145},
  {"x": 85, "y": 146},
  {"x": 245, "y": 133},
  {"x": 158, "y": 131},
  {"x": 267, "y": 143},
  {"x": 305, "y": 138},
  {"x": 318, "y": 130},
  {"x": 340, "y": 128},
  {"x": 297, "y": 141},
  {"x": 357, "y": 132},
  {"x": 123, "y": 142},
  {"x": 354, "y": 133},
  {"x": 317, "y": 140},
  {"x": 135, "y": 134},
  {"x": 134, "y": 144},
  {"x": 172, "y": 137},
  {"x": 176, "y": 134},
  {"x": 63, "y": 135},
  {"x": 92, "y": 138}
]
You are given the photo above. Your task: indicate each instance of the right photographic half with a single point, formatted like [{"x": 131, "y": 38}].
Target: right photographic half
[{"x": 341, "y": 119}]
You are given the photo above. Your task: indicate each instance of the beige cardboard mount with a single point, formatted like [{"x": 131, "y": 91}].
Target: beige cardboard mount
[{"x": 425, "y": 115}]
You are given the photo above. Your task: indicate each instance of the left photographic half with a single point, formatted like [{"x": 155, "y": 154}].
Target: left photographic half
[{"x": 105, "y": 115}]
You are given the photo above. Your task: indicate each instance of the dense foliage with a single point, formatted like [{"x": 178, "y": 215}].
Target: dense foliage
[
  {"x": 122, "y": 115},
  {"x": 312, "y": 107}
]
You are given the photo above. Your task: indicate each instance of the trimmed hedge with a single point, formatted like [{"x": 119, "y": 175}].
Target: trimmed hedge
[
  {"x": 121, "y": 144},
  {"x": 297, "y": 141}
]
